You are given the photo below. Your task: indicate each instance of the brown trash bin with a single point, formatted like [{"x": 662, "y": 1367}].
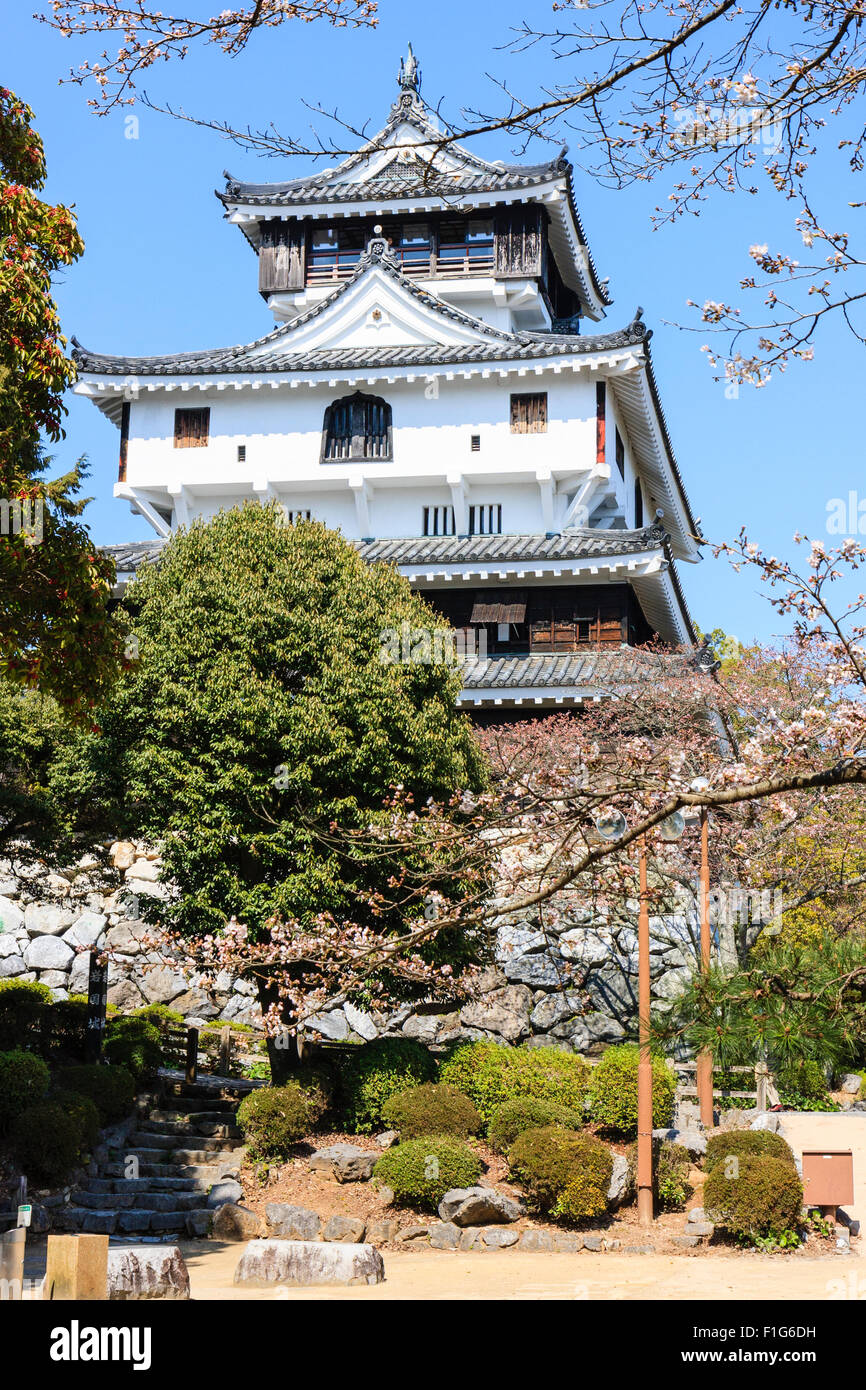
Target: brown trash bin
[{"x": 828, "y": 1177}]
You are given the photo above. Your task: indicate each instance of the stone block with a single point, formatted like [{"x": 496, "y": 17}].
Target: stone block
[{"x": 308, "y": 1263}]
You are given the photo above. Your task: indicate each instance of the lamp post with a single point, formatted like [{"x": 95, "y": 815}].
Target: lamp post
[{"x": 612, "y": 827}]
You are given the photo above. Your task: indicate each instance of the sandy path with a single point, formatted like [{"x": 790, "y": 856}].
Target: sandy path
[{"x": 511, "y": 1275}]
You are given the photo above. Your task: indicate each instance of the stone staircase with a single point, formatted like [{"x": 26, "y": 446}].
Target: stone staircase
[{"x": 185, "y": 1140}]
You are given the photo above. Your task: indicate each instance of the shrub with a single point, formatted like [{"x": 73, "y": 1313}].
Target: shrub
[
  {"x": 422, "y": 1170},
  {"x": 371, "y": 1074},
  {"x": 23, "y": 1081},
  {"x": 274, "y": 1118},
  {"x": 746, "y": 1143},
  {"x": 161, "y": 1016},
  {"x": 84, "y": 1113},
  {"x": 22, "y": 1006},
  {"x": 46, "y": 1142},
  {"x": 491, "y": 1074},
  {"x": 566, "y": 1173},
  {"x": 431, "y": 1109},
  {"x": 613, "y": 1090},
  {"x": 672, "y": 1176},
  {"x": 516, "y": 1116},
  {"x": 133, "y": 1042},
  {"x": 765, "y": 1199},
  {"x": 64, "y": 1029},
  {"x": 803, "y": 1086},
  {"x": 111, "y": 1088}
]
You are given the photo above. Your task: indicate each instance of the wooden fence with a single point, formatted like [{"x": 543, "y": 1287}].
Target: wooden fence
[
  {"x": 760, "y": 1072},
  {"x": 221, "y": 1053}
]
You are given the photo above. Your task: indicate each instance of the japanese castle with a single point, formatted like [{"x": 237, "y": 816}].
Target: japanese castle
[{"x": 440, "y": 387}]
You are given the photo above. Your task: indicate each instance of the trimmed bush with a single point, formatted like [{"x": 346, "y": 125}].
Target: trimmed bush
[
  {"x": 516, "y": 1116},
  {"x": 491, "y": 1074},
  {"x": 431, "y": 1109},
  {"x": 46, "y": 1142},
  {"x": 765, "y": 1199},
  {"x": 22, "y": 1006},
  {"x": 564, "y": 1173},
  {"x": 613, "y": 1090},
  {"x": 371, "y": 1074},
  {"x": 671, "y": 1166},
  {"x": 135, "y": 1043},
  {"x": 803, "y": 1086},
  {"x": 84, "y": 1113},
  {"x": 162, "y": 1017},
  {"x": 422, "y": 1170},
  {"x": 274, "y": 1118},
  {"x": 112, "y": 1089},
  {"x": 24, "y": 1080},
  {"x": 746, "y": 1143},
  {"x": 64, "y": 1030}
]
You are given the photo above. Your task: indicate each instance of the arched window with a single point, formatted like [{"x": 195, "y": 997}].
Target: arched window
[{"x": 357, "y": 427}]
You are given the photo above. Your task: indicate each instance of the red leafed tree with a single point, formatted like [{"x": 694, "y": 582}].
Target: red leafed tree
[{"x": 56, "y": 631}]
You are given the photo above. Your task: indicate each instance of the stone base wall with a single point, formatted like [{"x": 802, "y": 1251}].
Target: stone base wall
[{"x": 573, "y": 988}]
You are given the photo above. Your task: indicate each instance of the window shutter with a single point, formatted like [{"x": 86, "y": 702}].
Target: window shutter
[
  {"x": 191, "y": 428},
  {"x": 529, "y": 412}
]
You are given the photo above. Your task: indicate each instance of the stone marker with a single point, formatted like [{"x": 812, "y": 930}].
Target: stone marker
[
  {"x": 76, "y": 1268},
  {"x": 147, "y": 1271},
  {"x": 307, "y": 1262}
]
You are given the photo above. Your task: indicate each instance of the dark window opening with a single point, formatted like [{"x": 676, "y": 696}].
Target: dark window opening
[
  {"x": 620, "y": 454},
  {"x": 357, "y": 428},
  {"x": 529, "y": 412},
  {"x": 191, "y": 428},
  {"x": 439, "y": 521},
  {"x": 638, "y": 504},
  {"x": 485, "y": 519},
  {"x": 475, "y": 443},
  {"x": 242, "y": 453}
]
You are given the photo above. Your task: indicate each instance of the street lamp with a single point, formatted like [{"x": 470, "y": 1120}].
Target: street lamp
[{"x": 611, "y": 825}]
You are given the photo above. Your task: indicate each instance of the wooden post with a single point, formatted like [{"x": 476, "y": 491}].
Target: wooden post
[
  {"x": 762, "y": 1075},
  {"x": 77, "y": 1268},
  {"x": 705, "y": 1058},
  {"x": 225, "y": 1058},
  {"x": 191, "y": 1055},
  {"x": 644, "y": 1070},
  {"x": 12, "y": 1244}
]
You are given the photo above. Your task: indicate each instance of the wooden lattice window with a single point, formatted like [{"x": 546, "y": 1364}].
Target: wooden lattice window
[
  {"x": 485, "y": 519},
  {"x": 529, "y": 412},
  {"x": 357, "y": 428},
  {"x": 439, "y": 521},
  {"x": 191, "y": 428}
]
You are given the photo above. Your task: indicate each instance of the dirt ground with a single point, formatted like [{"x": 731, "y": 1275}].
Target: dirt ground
[{"x": 514, "y": 1275}]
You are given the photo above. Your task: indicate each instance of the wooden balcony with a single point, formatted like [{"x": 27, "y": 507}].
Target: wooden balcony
[{"x": 451, "y": 261}]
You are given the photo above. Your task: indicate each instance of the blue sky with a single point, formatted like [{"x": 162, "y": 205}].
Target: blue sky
[{"x": 162, "y": 271}]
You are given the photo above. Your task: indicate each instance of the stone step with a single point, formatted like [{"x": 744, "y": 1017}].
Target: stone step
[
  {"x": 153, "y": 1139},
  {"x": 175, "y": 1129},
  {"x": 210, "y": 1172},
  {"x": 82, "y": 1219},
  {"x": 190, "y": 1119},
  {"x": 121, "y": 1185},
  {"x": 185, "y": 1105},
  {"x": 136, "y": 1201}
]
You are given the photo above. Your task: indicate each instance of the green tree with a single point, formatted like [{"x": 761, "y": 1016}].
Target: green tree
[
  {"x": 56, "y": 631},
  {"x": 260, "y": 722}
]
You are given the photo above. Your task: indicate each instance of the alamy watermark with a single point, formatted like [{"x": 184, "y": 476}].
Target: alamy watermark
[
  {"x": 424, "y": 646},
  {"x": 23, "y": 516},
  {"x": 846, "y": 516}
]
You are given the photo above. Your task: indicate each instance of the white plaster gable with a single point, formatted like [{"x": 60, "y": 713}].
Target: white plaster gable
[
  {"x": 405, "y": 141},
  {"x": 377, "y": 311}
]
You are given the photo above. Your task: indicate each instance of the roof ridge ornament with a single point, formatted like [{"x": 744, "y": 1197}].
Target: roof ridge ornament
[{"x": 409, "y": 76}]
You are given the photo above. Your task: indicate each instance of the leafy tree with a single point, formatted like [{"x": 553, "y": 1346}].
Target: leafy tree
[
  {"x": 259, "y": 721},
  {"x": 57, "y": 632}
]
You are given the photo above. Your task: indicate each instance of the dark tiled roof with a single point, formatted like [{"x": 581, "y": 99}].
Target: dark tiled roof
[
  {"x": 422, "y": 550},
  {"x": 593, "y": 669},
  {"x": 130, "y": 555},
  {"x": 578, "y": 544},
  {"x": 299, "y": 191}
]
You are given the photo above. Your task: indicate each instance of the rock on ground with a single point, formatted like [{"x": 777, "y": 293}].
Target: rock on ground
[
  {"x": 295, "y": 1223},
  {"x": 233, "y": 1222},
  {"x": 476, "y": 1206},
  {"x": 147, "y": 1271},
  {"x": 305, "y": 1262},
  {"x": 345, "y": 1162},
  {"x": 347, "y": 1228}
]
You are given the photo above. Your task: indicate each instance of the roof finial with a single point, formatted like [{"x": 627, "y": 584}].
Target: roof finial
[{"x": 409, "y": 77}]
